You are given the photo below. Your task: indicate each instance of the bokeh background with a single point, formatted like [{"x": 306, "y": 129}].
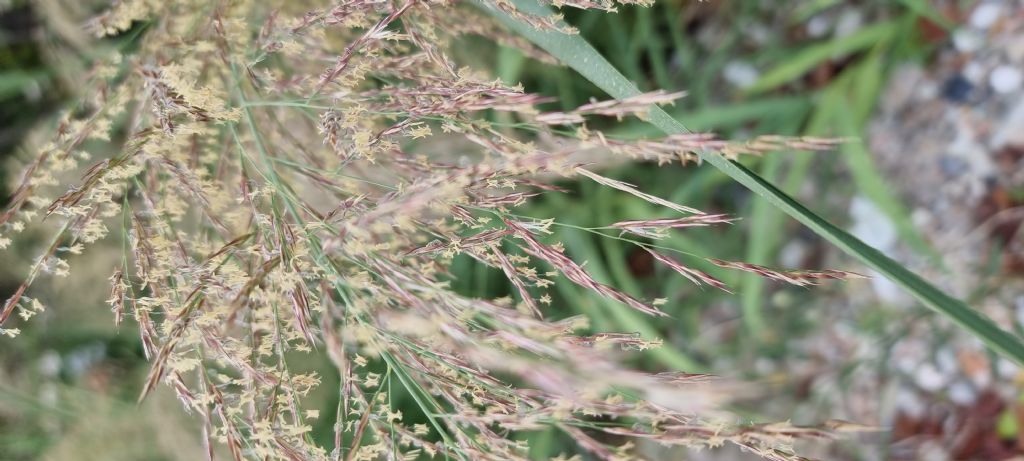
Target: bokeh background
[{"x": 930, "y": 93}]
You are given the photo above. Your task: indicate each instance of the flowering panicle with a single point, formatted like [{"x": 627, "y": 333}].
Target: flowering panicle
[
  {"x": 696, "y": 276},
  {"x": 291, "y": 181},
  {"x": 656, "y": 228},
  {"x": 618, "y": 108},
  {"x": 798, "y": 278}
]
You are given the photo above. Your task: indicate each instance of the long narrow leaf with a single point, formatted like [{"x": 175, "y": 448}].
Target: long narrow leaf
[
  {"x": 575, "y": 52},
  {"x": 805, "y": 60}
]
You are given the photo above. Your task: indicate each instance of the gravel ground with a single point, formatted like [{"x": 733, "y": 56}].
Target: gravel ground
[{"x": 949, "y": 137}]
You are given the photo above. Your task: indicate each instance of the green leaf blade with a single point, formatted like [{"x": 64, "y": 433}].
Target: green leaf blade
[{"x": 575, "y": 52}]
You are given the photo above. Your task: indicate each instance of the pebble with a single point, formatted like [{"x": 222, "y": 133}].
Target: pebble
[
  {"x": 740, "y": 74},
  {"x": 911, "y": 404},
  {"x": 818, "y": 26},
  {"x": 975, "y": 72},
  {"x": 793, "y": 254},
  {"x": 967, "y": 41},
  {"x": 927, "y": 90},
  {"x": 907, "y": 355},
  {"x": 1006, "y": 369},
  {"x": 957, "y": 89},
  {"x": 81, "y": 359},
  {"x": 929, "y": 378},
  {"x": 952, "y": 166},
  {"x": 758, "y": 33},
  {"x": 922, "y": 218},
  {"x": 932, "y": 450},
  {"x": 967, "y": 147},
  {"x": 985, "y": 15},
  {"x": 1006, "y": 79},
  {"x": 962, "y": 393},
  {"x": 903, "y": 87},
  {"x": 871, "y": 224},
  {"x": 946, "y": 361},
  {"x": 888, "y": 291},
  {"x": 50, "y": 364}
]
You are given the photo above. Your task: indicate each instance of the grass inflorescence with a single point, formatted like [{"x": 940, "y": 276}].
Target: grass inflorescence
[{"x": 300, "y": 182}]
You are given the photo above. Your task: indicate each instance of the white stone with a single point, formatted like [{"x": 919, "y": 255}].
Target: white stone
[
  {"x": 759, "y": 33},
  {"x": 929, "y": 378},
  {"x": 981, "y": 380},
  {"x": 922, "y": 218},
  {"x": 905, "y": 363},
  {"x": 947, "y": 362},
  {"x": 740, "y": 74},
  {"x": 974, "y": 72},
  {"x": 962, "y": 393},
  {"x": 871, "y": 224},
  {"x": 793, "y": 254},
  {"x": 967, "y": 41},
  {"x": 932, "y": 450},
  {"x": 1006, "y": 79},
  {"x": 910, "y": 403},
  {"x": 1006, "y": 369},
  {"x": 985, "y": 15},
  {"x": 888, "y": 291},
  {"x": 927, "y": 91},
  {"x": 50, "y": 363},
  {"x": 818, "y": 26}
]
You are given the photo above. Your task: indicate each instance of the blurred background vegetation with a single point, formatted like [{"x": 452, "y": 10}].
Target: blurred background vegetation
[{"x": 67, "y": 386}]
